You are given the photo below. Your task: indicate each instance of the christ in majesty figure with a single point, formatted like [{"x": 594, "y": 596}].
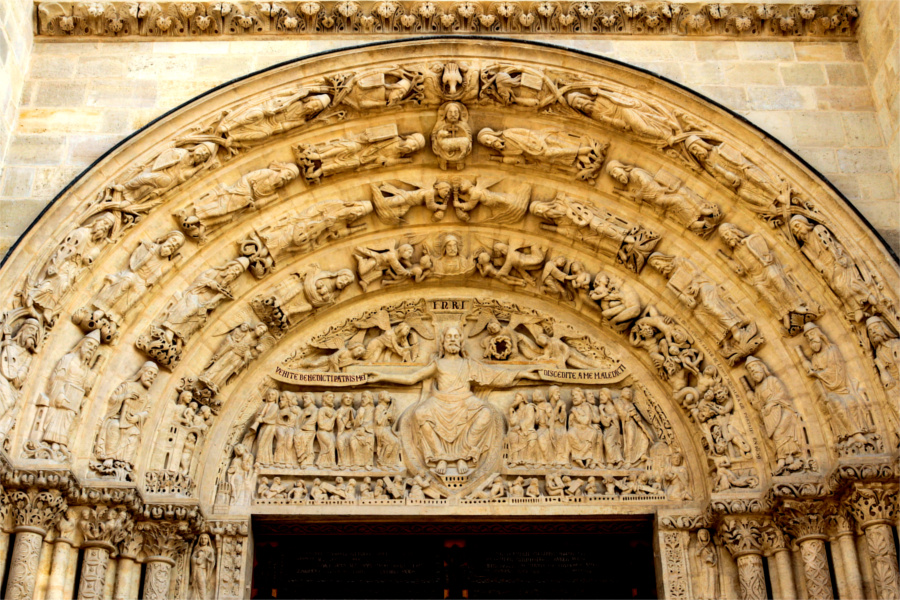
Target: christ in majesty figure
[{"x": 450, "y": 424}]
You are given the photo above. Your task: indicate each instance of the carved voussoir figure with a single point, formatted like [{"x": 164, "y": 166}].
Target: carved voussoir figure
[
  {"x": 247, "y": 126},
  {"x": 738, "y": 337},
  {"x": 783, "y": 424},
  {"x": 844, "y": 401},
  {"x": 852, "y": 283},
  {"x": 392, "y": 202},
  {"x": 120, "y": 430},
  {"x": 170, "y": 168},
  {"x": 509, "y": 207},
  {"x": 752, "y": 259},
  {"x": 122, "y": 291},
  {"x": 451, "y": 137},
  {"x": 69, "y": 383},
  {"x": 647, "y": 120},
  {"x": 576, "y": 154},
  {"x": 46, "y": 285},
  {"x": 21, "y": 336},
  {"x": 251, "y": 192},
  {"x": 188, "y": 312},
  {"x": 378, "y": 147},
  {"x": 294, "y": 234},
  {"x": 669, "y": 198},
  {"x": 631, "y": 244},
  {"x": 885, "y": 346},
  {"x": 301, "y": 294},
  {"x": 241, "y": 346},
  {"x": 382, "y": 88}
]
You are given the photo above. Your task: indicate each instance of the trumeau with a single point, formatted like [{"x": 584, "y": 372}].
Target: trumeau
[{"x": 449, "y": 278}]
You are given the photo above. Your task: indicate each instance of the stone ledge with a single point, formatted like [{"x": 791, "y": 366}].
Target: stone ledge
[{"x": 205, "y": 20}]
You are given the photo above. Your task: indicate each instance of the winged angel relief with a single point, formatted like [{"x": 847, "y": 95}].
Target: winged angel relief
[{"x": 454, "y": 362}]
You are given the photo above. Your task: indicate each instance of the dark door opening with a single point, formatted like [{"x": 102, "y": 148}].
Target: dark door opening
[{"x": 455, "y": 560}]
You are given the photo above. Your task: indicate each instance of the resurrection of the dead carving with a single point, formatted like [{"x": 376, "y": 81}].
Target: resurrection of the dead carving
[{"x": 457, "y": 314}]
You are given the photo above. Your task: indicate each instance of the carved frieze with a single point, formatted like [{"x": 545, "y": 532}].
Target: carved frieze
[{"x": 330, "y": 17}]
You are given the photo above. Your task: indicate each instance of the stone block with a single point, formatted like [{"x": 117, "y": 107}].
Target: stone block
[
  {"x": 85, "y": 149},
  {"x": 191, "y": 47},
  {"x": 847, "y": 185},
  {"x": 775, "y": 123},
  {"x": 49, "y": 181},
  {"x": 703, "y": 73},
  {"x": 656, "y": 50},
  {"x": 669, "y": 70},
  {"x": 844, "y": 98},
  {"x": 58, "y": 120},
  {"x": 806, "y": 74},
  {"x": 17, "y": 215},
  {"x": 53, "y": 67},
  {"x": 60, "y": 93},
  {"x": 862, "y": 129},
  {"x": 776, "y": 98},
  {"x": 35, "y": 150},
  {"x": 878, "y": 186},
  {"x": 851, "y": 74},
  {"x": 851, "y": 51},
  {"x": 16, "y": 182},
  {"x": 731, "y": 97},
  {"x": 819, "y": 51},
  {"x": 823, "y": 160},
  {"x": 218, "y": 68},
  {"x": 123, "y": 93},
  {"x": 864, "y": 160},
  {"x": 782, "y": 51},
  {"x": 818, "y": 129},
  {"x": 752, "y": 74},
  {"x": 104, "y": 67}
]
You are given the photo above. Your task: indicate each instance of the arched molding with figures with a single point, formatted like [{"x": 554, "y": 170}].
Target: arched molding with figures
[{"x": 662, "y": 311}]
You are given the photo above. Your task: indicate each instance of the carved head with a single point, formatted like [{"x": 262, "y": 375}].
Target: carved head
[
  {"x": 384, "y": 397},
  {"x": 494, "y": 327},
  {"x": 102, "y": 226},
  {"x": 347, "y": 399},
  {"x": 618, "y": 171},
  {"x": 731, "y": 234},
  {"x": 451, "y": 341},
  {"x": 604, "y": 395},
  {"x": 328, "y": 399},
  {"x": 147, "y": 374},
  {"x": 201, "y": 153},
  {"x": 343, "y": 279},
  {"x": 815, "y": 337},
  {"x": 412, "y": 143},
  {"x": 800, "y": 227},
  {"x": 405, "y": 251},
  {"x": 443, "y": 189},
  {"x": 453, "y": 113},
  {"x": 877, "y": 330},
  {"x": 451, "y": 246},
  {"x": 492, "y": 139},
  {"x": 261, "y": 330},
  {"x": 539, "y": 397},
  {"x": 308, "y": 399},
  {"x": 555, "y": 393},
  {"x": 703, "y": 536},
  {"x": 88, "y": 345},
  {"x": 757, "y": 369},
  {"x": 627, "y": 394},
  {"x": 28, "y": 335},
  {"x": 367, "y": 399},
  {"x": 204, "y": 540},
  {"x": 577, "y": 397},
  {"x": 697, "y": 147},
  {"x": 170, "y": 243},
  {"x": 357, "y": 350}
]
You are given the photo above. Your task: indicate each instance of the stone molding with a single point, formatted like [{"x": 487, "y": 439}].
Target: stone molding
[{"x": 208, "y": 20}]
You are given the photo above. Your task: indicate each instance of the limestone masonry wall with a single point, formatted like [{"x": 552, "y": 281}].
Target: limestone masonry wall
[
  {"x": 80, "y": 98},
  {"x": 15, "y": 51}
]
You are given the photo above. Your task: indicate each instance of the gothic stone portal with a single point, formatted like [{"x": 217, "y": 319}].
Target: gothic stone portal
[{"x": 450, "y": 279}]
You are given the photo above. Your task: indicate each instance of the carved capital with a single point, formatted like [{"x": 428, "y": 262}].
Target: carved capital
[
  {"x": 163, "y": 541},
  {"x": 805, "y": 519},
  {"x": 743, "y": 535},
  {"x": 774, "y": 539},
  {"x": 35, "y": 510},
  {"x": 873, "y": 503},
  {"x": 105, "y": 527},
  {"x": 131, "y": 546}
]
